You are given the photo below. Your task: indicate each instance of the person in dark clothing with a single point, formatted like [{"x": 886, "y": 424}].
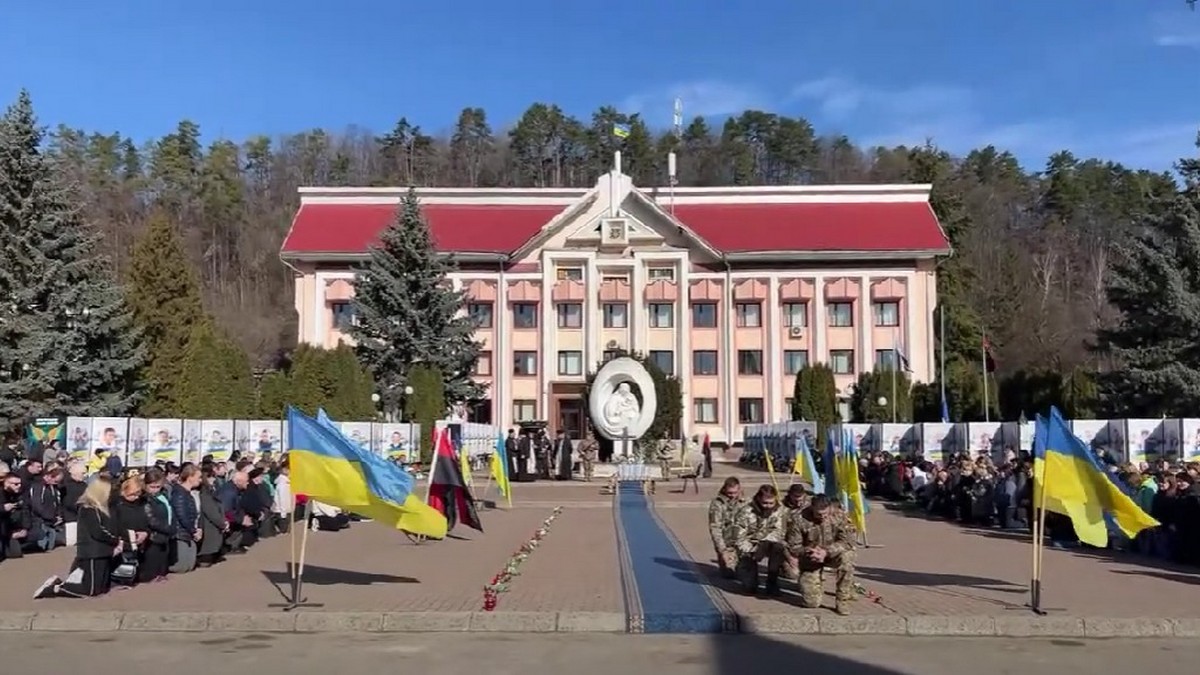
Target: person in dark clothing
[
  {"x": 241, "y": 508},
  {"x": 185, "y": 506},
  {"x": 15, "y": 516},
  {"x": 132, "y": 520},
  {"x": 562, "y": 452},
  {"x": 98, "y": 542},
  {"x": 73, "y": 487},
  {"x": 512, "y": 453},
  {"x": 213, "y": 525},
  {"x": 156, "y": 558},
  {"x": 263, "y": 499},
  {"x": 45, "y": 504}
]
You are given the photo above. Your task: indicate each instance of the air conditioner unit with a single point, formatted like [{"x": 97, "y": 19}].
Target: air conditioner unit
[
  {"x": 614, "y": 231},
  {"x": 612, "y": 344},
  {"x": 796, "y": 332}
]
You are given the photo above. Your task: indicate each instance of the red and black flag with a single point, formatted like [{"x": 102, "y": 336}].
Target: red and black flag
[
  {"x": 989, "y": 362},
  {"x": 448, "y": 491}
]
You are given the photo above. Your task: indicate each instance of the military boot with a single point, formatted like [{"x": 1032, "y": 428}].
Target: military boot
[
  {"x": 772, "y": 587},
  {"x": 842, "y": 607}
]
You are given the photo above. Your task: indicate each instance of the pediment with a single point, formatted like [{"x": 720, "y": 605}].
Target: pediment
[{"x": 591, "y": 231}]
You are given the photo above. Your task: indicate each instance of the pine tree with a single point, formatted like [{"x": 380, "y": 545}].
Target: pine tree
[
  {"x": 165, "y": 297},
  {"x": 408, "y": 313},
  {"x": 1156, "y": 287},
  {"x": 68, "y": 344},
  {"x": 871, "y": 387},
  {"x": 274, "y": 394},
  {"x": 427, "y": 404},
  {"x": 217, "y": 383},
  {"x": 350, "y": 386},
  {"x": 814, "y": 398}
]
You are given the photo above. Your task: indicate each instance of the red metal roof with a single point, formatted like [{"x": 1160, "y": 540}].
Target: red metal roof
[
  {"x": 351, "y": 228},
  {"x": 728, "y": 228},
  {"x": 840, "y": 226}
]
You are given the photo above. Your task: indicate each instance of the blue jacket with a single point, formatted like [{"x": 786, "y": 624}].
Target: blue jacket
[{"x": 183, "y": 508}]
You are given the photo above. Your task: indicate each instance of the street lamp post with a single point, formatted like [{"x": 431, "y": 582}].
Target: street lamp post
[{"x": 408, "y": 392}]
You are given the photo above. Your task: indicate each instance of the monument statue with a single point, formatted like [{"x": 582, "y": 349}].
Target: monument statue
[
  {"x": 622, "y": 409},
  {"x": 615, "y": 411}
]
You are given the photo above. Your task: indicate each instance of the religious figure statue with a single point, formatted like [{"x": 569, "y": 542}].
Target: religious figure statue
[{"x": 622, "y": 409}]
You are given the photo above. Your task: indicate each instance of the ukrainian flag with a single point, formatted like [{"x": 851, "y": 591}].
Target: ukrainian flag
[
  {"x": 849, "y": 483},
  {"x": 805, "y": 467},
  {"x": 621, "y": 130},
  {"x": 328, "y": 467},
  {"x": 1073, "y": 484},
  {"x": 500, "y": 469}
]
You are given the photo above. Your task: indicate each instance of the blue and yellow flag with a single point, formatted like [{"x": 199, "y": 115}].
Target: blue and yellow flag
[
  {"x": 328, "y": 467},
  {"x": 805, "y": 466},
  {"x": 856, "y": 505},
  {"x": 1072, "y": 483},
  {"x": 621, "y": 130},
  {"x": 500, "y": 469}
]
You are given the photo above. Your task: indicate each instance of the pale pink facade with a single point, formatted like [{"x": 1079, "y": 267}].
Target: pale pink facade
[{"x": 733, "y": 332}]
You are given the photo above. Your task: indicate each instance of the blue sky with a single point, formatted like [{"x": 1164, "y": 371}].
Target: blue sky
[{"x": 1116, "y": 78}]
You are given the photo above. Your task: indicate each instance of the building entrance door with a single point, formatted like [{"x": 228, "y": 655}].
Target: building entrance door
[{"x": 571, "y": 417}]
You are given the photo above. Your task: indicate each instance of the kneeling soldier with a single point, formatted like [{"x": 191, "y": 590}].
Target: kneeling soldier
[
  {"x": 722, "y": 521},
  {"x": 795, "y": 501},
  {"x": 822, "y": 538},
  {"x": 759, "y": 533}
]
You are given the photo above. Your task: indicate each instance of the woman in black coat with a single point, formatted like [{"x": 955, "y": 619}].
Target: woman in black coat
[
  {"x": 213, "y": 526},
  {"x": 156, "y": 557},
  {"x": 97, "y": 542}
]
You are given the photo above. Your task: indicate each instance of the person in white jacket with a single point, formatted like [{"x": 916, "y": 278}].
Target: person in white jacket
[
  {"x": 283, "y": 500},
  {"x": 328, "y": 518}
]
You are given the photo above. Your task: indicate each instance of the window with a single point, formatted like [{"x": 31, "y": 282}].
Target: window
[
  {"x": 525, "y": 315},
  {"x": 887, "y": 359},
  {"x": 664, "y": 359},
  {"x": 787, "y": 410},
  {"x": 623, "y": 278},
  {"x": 483, "y": 364},
  {"x": 840, "y": 314},
  {"x": 794, "y": 361},
  {"x": 704, "y": 315},
  {"x": 750, "y": 362},
  {"x": 749, "y": 314},
  {"x": 704, "y": 362},
  {"x": 570, "y": 314},
  {"x": 480, "y": 313},
  {"x": 525, "y": 363},
  {"x": 842, "y": 361},
  {"x": 660, "y": 274},
  {"x": 886, "y": 313},
  {"x": 343, "y": 315},
  {"x": 662, "y": 315},
  {"x": 610, "y": 354},
  {"x": 795, "y": 314},
  {"x": 570, "y": 274},
  {"x": 616, "y": 315},
  {"x": 570, "y": 363},
  {"x": 704, "y": 410},
  {"x": 524, "y": 410},
  {"x": 750, "y": 410}
]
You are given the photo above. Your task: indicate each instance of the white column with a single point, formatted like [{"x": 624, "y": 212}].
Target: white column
[
  {"x": 866, "y": 323},
  {"x": 593, "y": 312},
  {"x": 638, "y": 319},
  {"x": 773, "y": 406},
  {"x": 320, "y": 327},
  {"x": 683, "y": 359},
  {"x": 820, "y": 323},
  {"x": 727, "y": 320},
  {"x": 548, "y": 331},
  {"x": 501, "y": 355}
]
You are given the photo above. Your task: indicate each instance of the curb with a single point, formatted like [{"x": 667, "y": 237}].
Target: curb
[{"x": 591, "y": 622}]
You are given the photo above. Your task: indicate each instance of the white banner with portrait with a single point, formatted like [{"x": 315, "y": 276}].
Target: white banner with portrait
[
  {"x": 193, "y": 441},
  {"x": 865, "y": 438},
  {"x": 393, "y": 440},
  {"x": 901, "y": 439},
  {"x": 359, "y": 433},
  {"x": 139, "y": 428},
  {"x": 1142, "y": 437},
  {"x": 939, "y": 440},
  {"x": 111, "y": 434},
  {"x": 1190, "y": 436},
  {"x": 79, "y": 438},
  {"x": 217, "y": 438},
  {"x": 258, "y": 436},
  {"x": 986, "y": 439},
  {"x": 166, "y": 440}
]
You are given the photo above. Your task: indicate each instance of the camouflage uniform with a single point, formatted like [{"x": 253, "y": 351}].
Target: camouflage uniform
[
  {"x": 588, "y": 451},
  {"x": 758, "y": 536},
  {"x": 664, "y": 461},
  {"x": 791, "y": 564},
  {"x": 836, "y": 536},
  {"x": 722, "y": 512}
]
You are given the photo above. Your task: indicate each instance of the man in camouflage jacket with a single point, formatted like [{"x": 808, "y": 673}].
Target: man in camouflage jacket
[
  {"x": 795, "y": 501},
  {"x": 759, "y": 535},
  {"x": 821, "y": 537},
  {"x": 721, "y": 514}
]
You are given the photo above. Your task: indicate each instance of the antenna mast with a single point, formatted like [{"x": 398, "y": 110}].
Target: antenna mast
[{"x": 677, "y": 124}]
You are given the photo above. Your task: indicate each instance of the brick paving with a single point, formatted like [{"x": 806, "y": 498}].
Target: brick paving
[{"x": 919, "y": 567}]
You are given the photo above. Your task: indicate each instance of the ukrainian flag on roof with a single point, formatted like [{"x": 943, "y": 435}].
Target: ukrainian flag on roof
[{"x": 1072, "y": 483}]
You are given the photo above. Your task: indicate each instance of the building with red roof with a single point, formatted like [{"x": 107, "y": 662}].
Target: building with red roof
[{"x": 733, "y": 289}]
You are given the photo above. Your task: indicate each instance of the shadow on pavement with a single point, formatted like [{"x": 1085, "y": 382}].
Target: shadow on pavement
[
  {"x": 1177, "y": 577},
  {"x": 906, "y": 578},
  {"x": 751, "y": 653},
  {"x": 330, "y": 576}
]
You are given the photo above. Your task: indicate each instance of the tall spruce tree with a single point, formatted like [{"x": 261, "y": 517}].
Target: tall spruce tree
[
  {"x": 408, "y": 313},
  {"x": 68, "y": 344},
  {"x": 165, "y": 297},
  {"x": 217, "y": 382},
  {"x": 1156, "y": 287}
]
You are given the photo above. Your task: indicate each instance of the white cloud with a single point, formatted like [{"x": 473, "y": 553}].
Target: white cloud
[
  {"x": 1155, "y": 146},
  {"x": 704, "y": 98},
  {"x": 840, "y": 97},
  {"x": 1176, "y": 28}
]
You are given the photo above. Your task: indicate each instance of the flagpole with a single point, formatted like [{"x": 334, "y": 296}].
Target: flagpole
[
  {"x": 894, "y": 369},
  {"x": 942, "y": 355},
  {"x": 987, "y": 408}
]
